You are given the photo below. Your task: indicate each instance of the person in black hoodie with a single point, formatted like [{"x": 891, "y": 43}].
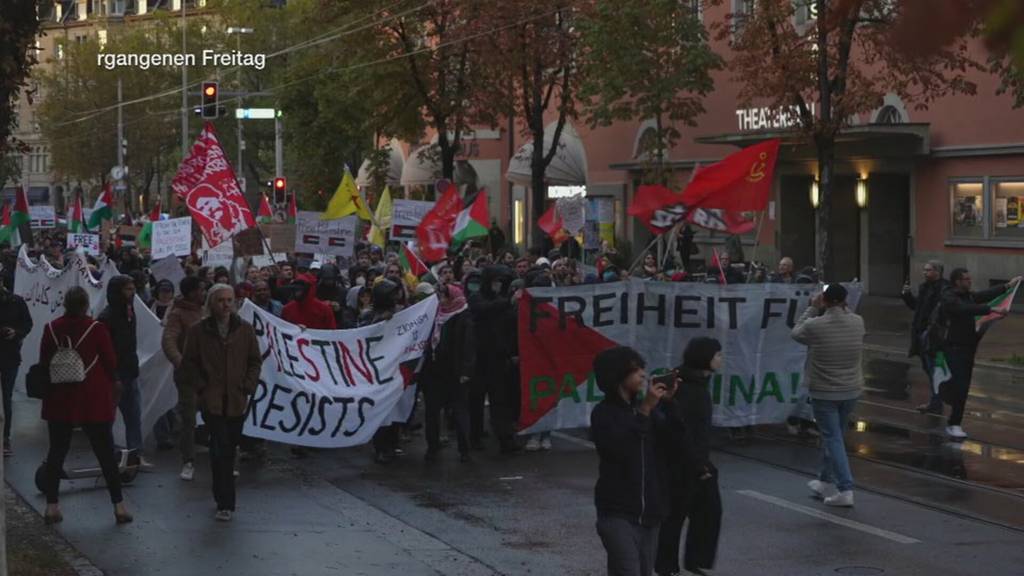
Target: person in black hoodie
[
  {"x": 697, "y": 497},
  {"x": 961, "y": 306},
  {"x": 495, "y": 319},
  {"x": 630, "y": 491},
  {"x": 119, "y": 316},
  {"x": 15, "y": 324},
  {"x": 928, "y": 296},
  {"x": 448, "y": 368}
]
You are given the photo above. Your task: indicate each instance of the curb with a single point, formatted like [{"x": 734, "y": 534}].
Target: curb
[
  {"x": 68, "y": 553},
  {"x": 897, "y": 354}
]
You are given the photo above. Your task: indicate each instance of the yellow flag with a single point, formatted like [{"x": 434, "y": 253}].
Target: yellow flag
[
  {"x": 381, "y": 219},
  {"x": 346, "y": 201}
]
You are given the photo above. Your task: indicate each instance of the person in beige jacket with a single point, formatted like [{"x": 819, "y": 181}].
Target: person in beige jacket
[
  {"x": 222, "y": 361},
  {"x": 185, "y": 313}
]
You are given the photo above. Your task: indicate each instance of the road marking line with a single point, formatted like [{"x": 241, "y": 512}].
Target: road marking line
[
  {"x": 573, "y": 439},
  {"x": 866, "y": 528}
]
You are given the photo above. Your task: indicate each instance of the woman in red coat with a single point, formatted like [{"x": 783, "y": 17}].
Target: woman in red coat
[{"x": 89, "y": 404}]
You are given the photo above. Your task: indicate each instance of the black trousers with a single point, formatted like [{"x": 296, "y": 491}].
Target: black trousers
[
  {"x": 957, "y": 389},
  {"x": 385, "y": 439},
  {"x": 225, "y": 433},
  {"x": 477, "y": 398},
  {"x": 704, "y": 510},
  {"x": 667, "y": 559},
  {"x": 439, "y": 394},
  {"x": 101, "y": 438},
  {"x": 504, "y": 404}
]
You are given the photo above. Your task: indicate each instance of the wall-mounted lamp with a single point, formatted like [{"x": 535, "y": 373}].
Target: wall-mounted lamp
[
  {"x": 862, "y": 193},
  {"x": 517, "y": 222},
  {"x": 814, "y": 194}
]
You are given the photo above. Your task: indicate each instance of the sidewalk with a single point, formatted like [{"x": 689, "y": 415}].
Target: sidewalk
[
  {"x": 888, "y": 327},
  {"x": 35, "y": 549}
]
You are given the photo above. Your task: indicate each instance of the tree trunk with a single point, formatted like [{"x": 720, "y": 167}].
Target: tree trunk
[
  {"x": 826, "y": 169},
  {"x": 538, "y": 187}
]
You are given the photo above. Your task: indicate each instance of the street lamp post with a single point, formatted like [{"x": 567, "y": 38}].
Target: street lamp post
[{"x": 237, "y": 33}]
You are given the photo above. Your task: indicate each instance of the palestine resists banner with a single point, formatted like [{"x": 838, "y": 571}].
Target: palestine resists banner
[
  {"x": 761, "y": 381},
  {"x": 43, "y": 288},
  {"x": 334, "y": 388}
]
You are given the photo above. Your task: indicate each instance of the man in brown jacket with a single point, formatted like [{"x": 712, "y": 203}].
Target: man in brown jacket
[
  {"x": 222, "y": 361},
  {"x": 185, "y": 313}
]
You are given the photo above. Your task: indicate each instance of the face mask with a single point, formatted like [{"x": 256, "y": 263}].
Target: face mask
[{"x": 473, "y": 287}]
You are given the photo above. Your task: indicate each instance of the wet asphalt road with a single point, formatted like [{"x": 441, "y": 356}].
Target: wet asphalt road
[{"x": 924, "y": 505}]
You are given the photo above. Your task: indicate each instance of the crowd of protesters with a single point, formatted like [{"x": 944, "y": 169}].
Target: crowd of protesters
[{"x": 652, "y": 435}]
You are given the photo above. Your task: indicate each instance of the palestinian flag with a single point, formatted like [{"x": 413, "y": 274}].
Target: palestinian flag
[
  {"x": 103, "y": 209},
  {"x": 472, "y": 221},
  {"x": 1001, "y": 303},
  {"x": 265, "y": 214},
  {"x": 145, "y": 239},
  {"x": 293, "y": 209},
  {"x": 76, "y": 218},
  {"x": 411, "y": 263},
  {"x": 5, "y": 224},
  {"x": 941, "y": 373},
  {"x": 17, "y": 219}
]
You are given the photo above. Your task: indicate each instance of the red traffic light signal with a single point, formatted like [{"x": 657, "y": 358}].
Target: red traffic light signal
[
  {"x": 280, "y": 185},
  {"x": 210, "y": 108}
]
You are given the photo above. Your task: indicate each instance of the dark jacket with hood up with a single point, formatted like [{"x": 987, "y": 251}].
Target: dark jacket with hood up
[
  {"x": 495, "y": 319},
  {"x": 631, "y": 477},
  {"x": 119, "y": 316},
  {"x": 14, "y": 314}
]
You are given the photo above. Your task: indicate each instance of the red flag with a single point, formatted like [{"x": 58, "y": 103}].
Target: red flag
[
  {"x": 435, "y": 230},
  {"x": 208, "y": 185},
  {"x": 293, "y": 208},
  {"x": 718, "y": 264},
  {"x": 658, "y": 208},
  {"x": 154, "y": 214},
  {"x": 551, "y": 223},
  {"x": 722, "y": 220},
  {"x": 741, "y": 182},
  {"x": 411, "y": 262},
  {"x": 265, "y": 215},
  {"x": 5, "y": 217}
]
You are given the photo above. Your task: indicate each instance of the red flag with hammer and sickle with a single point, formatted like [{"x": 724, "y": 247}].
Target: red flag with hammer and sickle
[{"x": 741, "y": 182}]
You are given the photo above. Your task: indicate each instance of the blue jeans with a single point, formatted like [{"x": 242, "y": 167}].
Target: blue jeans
[
  {"x": 832, "y": 416},
  {"x": 7, "y": 378},
  {"x": 131, "y": 411}
]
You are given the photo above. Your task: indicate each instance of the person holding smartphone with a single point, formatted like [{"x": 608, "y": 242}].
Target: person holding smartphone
[{"x": 630, "y": 490}]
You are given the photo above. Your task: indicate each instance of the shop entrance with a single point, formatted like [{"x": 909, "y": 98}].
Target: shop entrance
[
  {"x": 797, "y": 237},
  {"x": 888, "y": 213}
]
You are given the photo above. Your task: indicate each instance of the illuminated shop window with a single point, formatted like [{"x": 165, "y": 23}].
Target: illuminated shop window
[
  {"x": 968, "y": 209},
  {"x": 1008, "y": 209}
]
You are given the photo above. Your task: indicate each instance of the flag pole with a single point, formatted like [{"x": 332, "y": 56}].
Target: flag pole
[
  {"x": 644, "y": 253},
  {"x": 673, "y": 236},
  {"x": 757, "y": 244}
]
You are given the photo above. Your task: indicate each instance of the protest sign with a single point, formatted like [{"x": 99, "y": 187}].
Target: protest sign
[
  {"x": 313, "y": 235},
  {"x": 222, "y": 255},
  {"x": 248, "y": 242},
  {"x": 90, "y": 243},
  {"x": 573, "y": 213},
  {"x": 761, "y": 381},
  {"x": 168, "y": 268},
  {"x": 42, "y": 217},
  {"x": 280, "y": 235},
  {"x": 172, "y": 237},
  {"x": 264, "y": 260},
  {"x": 334, "y": 388},
  {"x": 43, "y": 288},
  {"x": 406, "y": 215}
]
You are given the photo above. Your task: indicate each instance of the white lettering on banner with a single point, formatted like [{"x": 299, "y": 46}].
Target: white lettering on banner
[
  {"x": 334, "y": 388},
  {"x": 762, "y": 378},
  {"x": 172, "y": 237},
  {"x": 43, "y": 288},
  {"x": 406, "y": 215},
  {"x": 90, "y": 243},
  {"x": 336, "y": 237},
  {"x": 764, "y": 118}
]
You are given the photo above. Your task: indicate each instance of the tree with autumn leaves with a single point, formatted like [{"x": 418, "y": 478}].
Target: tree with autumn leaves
[{"x": 843, "y": 62}]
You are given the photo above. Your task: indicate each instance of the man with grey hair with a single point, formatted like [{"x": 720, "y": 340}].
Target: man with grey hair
[
  {"x": 222, "y": 360},
  {"x": 928, "y": 296}
]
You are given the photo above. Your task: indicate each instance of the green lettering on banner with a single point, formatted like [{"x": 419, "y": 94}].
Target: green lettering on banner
[
  {"x": 747, "y": 391},
  {"x": 569, "y": 389},
  {"x": 536, "y": 392},
  {"x": 794, "y": 382},
  {"x": 593, "y": 392},
  {"x": 770, "y": 387},
  {"x": 716, "y": 390}
]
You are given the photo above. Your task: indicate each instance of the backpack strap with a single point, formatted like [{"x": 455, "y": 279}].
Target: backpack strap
[
  {"x": 86, "y": 333},
  {"x": 54, "y": 335}
]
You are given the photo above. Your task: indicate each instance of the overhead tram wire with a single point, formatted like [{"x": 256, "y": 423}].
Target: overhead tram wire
[
  {"x": 326, "y": 37},
  {"x": 361, "y": 65}
]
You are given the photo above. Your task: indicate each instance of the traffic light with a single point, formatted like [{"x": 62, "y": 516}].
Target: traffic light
[
  {"x": 280, "y": 190},
  {"x": 210, "y": 93}
]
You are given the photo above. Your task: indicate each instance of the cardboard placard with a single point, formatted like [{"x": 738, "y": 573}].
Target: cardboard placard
[
  {"x": 406, "y": 215},
  {"x": 280, "y": 235},
  {"x": 42, "y": 217},
  {"x": 172, "y": 237},
  {"x": 90, "y": 243},
  {"x": 248, "y": 242},
  {"x": 316, "y": 236}
]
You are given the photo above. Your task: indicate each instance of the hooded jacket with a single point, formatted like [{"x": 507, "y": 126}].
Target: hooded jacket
[
  {"x": 119, "y": 317},
  {"x": 495, "y": 320},
  {"x": 310, "y": 312}
]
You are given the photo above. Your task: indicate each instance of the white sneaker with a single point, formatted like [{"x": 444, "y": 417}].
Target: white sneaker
[
  {"x": 955, "y": 432},
  {"x": 792, "y": 429},
  {"x": 188, "y": 472},
  {"x": 533, "y": 444},
  {"x": 822, "y": 489},
  {"x": 842, "y": 499},
  {"x": 145, "y": 464},
  {"x": 223, "y": 516},
  {"x": 545, "y": 444}
]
